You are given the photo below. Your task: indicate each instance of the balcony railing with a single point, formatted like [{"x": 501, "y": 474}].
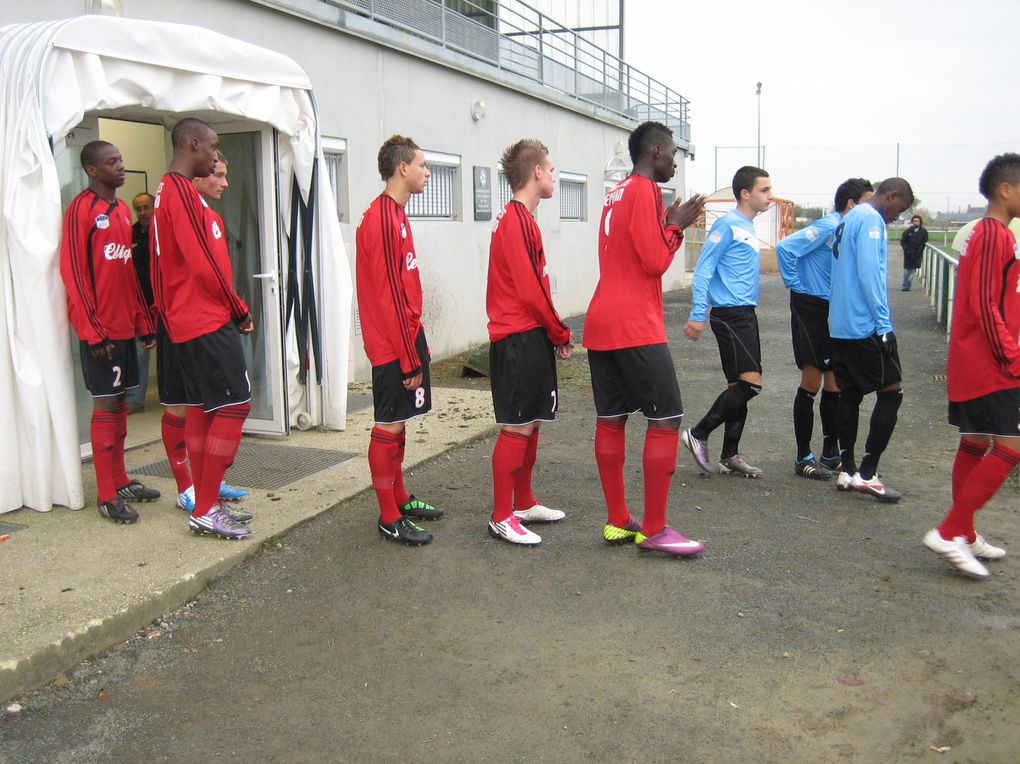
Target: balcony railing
[{"x": 517, "y": 38}]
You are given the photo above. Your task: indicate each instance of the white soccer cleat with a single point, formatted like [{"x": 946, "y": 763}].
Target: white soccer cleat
[
  {"x": 984, "y": 550},
  {"x": 511, "y": 530},
  {"x": 539, "y": 514},
  {"x": 957, "y": 553}
]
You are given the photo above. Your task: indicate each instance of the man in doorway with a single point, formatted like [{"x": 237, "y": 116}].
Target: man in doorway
[
  {"x": 624, "y": 330},
  {"x": 390, "y": 305},
  {"x": 983, "y": 371},
  {"x": 805, "y": 263},
  {"x": 865, "y": 358},
  {"x": 727, "y": 276},
  {"x": 192, "y": 284},
  {"x": 142, "y": 203},
  {"x": 172, "y": 386},
  {"x": 527, "y": 335},
  {"x": 912, "y": 242},
  {"x": 108, "y": 312}
]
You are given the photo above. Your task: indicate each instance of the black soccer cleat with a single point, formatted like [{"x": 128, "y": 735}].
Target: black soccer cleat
[
  {"x": 405, "y": 531},
  {"x": 420, "y": 510},
  {"x": 135, "y": 491},
  {"x": 116, "y": 510}
]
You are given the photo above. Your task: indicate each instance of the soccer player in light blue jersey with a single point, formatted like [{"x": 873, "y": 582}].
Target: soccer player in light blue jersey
[
  {"x": 805, "y": 263},
  {"x": 864, "y": 354},
  {"x": 726, "y": 277}
]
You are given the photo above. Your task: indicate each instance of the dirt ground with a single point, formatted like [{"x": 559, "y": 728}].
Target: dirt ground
[{"x": 814, "y": 627}]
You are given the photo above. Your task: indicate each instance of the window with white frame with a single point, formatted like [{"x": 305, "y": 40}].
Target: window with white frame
[
  {"x": 440, "y": 198},
  {"x": 335, "y": 152},
  {"x": 505, "y": 192},
  {"x": 572, "y": 193}
]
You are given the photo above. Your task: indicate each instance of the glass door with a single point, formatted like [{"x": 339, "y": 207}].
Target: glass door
[{"x": 248, "y": 211}]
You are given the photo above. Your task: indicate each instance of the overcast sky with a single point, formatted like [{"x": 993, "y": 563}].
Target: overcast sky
[{"x": 842, "y": 83}]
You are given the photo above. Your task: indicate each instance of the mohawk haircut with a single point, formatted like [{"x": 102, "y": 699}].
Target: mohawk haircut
[
  {"x": 849, "y": 190},
  {"x": 397, "y": 149},
  {"x": 90, "y": 151},
  {"x": 645, "y": 137},
  {"x": 520, "y": 159},
  {"x": 186, "y": 129},
  {"x": 1005, "y": 168}
]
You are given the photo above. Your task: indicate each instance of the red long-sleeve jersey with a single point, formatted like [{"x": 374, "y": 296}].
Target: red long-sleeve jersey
[
  {"x": 518, "y": 297},
  {"x": 984, "y": 355},
  {"x": 192, "y": 278},
  {"x": 389, "y": 287},
  {"x": 635, "y": 249},
  {"x": 104, "y": 301}
]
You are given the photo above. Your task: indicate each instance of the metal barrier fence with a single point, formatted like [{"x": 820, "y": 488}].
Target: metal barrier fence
[
  {"x": 938, "y": 275},
  {"x": 518, "y": 38}
]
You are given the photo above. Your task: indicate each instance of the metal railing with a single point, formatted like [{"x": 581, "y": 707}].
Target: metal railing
[
  {"x": 517, "y": 38},
  {"x": 938, "y": 275}
]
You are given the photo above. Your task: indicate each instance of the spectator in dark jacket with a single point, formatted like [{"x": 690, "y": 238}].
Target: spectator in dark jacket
[{"x": 912, "y": 241}]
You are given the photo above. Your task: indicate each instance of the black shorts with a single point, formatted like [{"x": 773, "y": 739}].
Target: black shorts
[
  {"x": 861, "y": 364},
  {"x": 635, "y": 379},
  {"x": 107, "y": 377},
  {"x": 522, "y": 376},
  {"x": 215, "y": 372},
  {"x": 736, "y": 331},
  {"x": 996, "y": 414},
  {"x": 173, "y": 390},
  {"x": 809, "y": 325},
  {"x": 393, "y": 403}
]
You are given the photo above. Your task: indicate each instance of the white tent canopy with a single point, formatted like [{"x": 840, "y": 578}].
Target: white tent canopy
[{"x": 51, "y": 75}]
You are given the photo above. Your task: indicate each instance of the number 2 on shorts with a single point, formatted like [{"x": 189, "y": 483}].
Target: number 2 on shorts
[{"x": 116, "y": 376}]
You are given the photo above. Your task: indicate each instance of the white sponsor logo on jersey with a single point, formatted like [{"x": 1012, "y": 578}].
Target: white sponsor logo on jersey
[
  {"x": 874, "y": 233},
  {"x": 811, "y": 234},
  {"x": 102, "y": 221},
  {"x": 412, "y": 261},
  {"x": 114, "y": 251},
  {"x": 715, "y": 237},
  {"x": 216, "y": 232}
]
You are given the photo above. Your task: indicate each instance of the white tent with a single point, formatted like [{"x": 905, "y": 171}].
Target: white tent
[{"x": 51, "y": 75}]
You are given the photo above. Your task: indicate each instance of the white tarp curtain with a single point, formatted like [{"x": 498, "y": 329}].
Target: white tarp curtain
[{"x": 51, "y": 74}]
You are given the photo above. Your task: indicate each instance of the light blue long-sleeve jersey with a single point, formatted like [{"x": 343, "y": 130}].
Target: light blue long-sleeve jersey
[
  {"x": 727, "y": 271},
  {"x": 859, "y": 302},
  {"x": 805, "y": 257}
]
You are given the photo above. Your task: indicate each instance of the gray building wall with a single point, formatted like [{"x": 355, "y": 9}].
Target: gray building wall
[{"x": 366, "y": 91}]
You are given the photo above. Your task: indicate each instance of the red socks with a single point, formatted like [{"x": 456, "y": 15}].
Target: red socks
[
  {"x": 507, "y": 462},
  {"x": 103, "y": 434},
  {"x": 967, "y": 457},
  {"x": 176, "y": 453},
  {"x": 400, "y": 494},
  {"x": 659, "y": 462},
  {"x": 223, "y": 436},
  {"x": 981, "y": 484},
  {"x": 524, "y": 495},
  {"x": 384, "y": 464},
  {"x": 119, "y": 470},
  {"x": 610, "y": 453}
]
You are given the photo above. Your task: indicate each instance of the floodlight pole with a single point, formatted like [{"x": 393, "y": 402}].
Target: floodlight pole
[{"x": 758, "y": 93}]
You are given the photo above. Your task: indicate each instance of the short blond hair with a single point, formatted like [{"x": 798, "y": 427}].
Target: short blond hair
[{"x": 520, "y": 159}]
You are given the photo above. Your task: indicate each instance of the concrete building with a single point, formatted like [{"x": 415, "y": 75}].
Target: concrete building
[{"x": 464, "y": 78}]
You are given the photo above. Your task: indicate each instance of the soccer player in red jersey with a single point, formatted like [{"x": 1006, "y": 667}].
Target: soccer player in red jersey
[
  {"x": 526, "y": 335},
  {"x": 390, "y": 306},
  {"x": 625, "y": 334},
  {"x": 107, "y": 309},
  {"x": 192, "y": 283},
  {"x": 983, "y": 370}
]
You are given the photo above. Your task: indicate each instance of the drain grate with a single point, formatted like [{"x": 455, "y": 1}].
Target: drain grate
[
  {"x": 258, "y": 465},
  {"x": 7, "y": 528}
]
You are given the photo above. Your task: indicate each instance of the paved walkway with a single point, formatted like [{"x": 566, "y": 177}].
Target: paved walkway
[{"x": 815, "y": 627}]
